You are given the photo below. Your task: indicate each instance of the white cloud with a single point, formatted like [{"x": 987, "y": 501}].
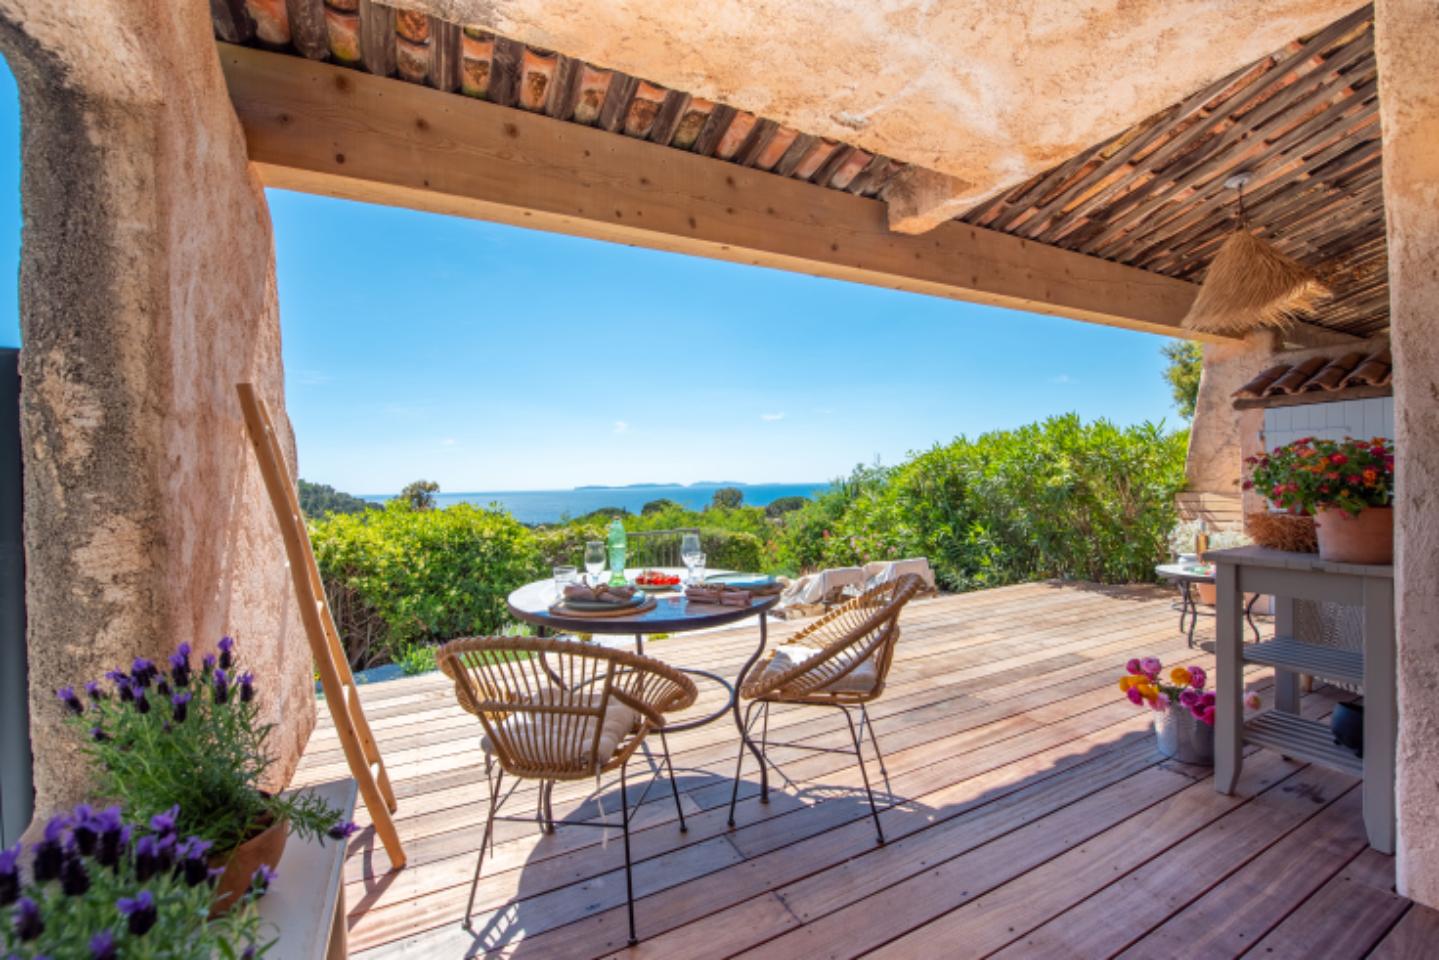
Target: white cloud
[
  {"x": 771, "y": 417},
  {"x": 1062, "y": 378},
  {"x": 448, "y": 442},
  {"x": 622, "y": 426}
]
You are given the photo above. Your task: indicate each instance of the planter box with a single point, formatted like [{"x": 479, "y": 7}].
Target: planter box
[{"x": 306, "y": 904}]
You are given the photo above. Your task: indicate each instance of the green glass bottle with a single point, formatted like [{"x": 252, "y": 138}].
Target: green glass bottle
[{"x": 618, "y": 545}]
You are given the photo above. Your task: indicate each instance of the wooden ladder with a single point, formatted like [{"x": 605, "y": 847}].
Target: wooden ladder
[{"x": 335, "y": 677}]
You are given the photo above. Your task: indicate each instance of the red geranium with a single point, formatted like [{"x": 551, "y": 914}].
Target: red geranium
[{"x": 1311, "y": 474}]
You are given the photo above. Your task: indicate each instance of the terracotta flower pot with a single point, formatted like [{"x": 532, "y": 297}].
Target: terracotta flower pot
[
  {"x": 1208, "y": 593},
  {"x": 263, "y": 849},
  {"x": 1367, "y": 537}
]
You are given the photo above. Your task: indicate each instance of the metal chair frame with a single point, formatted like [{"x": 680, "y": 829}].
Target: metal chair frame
[
  {"x": 491, "y": 685},
  {"x": 862, "y": 629}
]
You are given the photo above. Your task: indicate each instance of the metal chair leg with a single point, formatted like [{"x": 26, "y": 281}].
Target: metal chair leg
[
  {"x": 865, "y": 721},
  {"x": 764, "y": 755},
  {"x": 873, "y": 809},
  {"x": 674, "y": 786},
  {"x": 739, "y": 762},
  {"x": 629, "y": 877},
  {"x": 487, "y": 839}
]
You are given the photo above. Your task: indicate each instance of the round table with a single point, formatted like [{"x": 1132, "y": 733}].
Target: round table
[
  {"x": 673, "y": 612},
  {"x": 1185, "y": 575}
]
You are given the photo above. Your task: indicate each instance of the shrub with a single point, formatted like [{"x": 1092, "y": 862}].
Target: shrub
[
  {"x": 778, "y": 508},
  {"x": 729, "y": 497},
  {"x": 1055, "y": 499},
  {"x": 427, "y": 575}
]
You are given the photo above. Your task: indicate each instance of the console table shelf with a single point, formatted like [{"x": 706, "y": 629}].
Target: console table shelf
[{"x": 1297, "y": 576}]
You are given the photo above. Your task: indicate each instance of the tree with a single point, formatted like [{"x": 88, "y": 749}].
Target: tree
[
  {"x": 784, "y": 505},
  {"x": 728, "y": 498},
  {"x": 320, "y": 499},
  {"x": 420, "y": 494},
  {"x": 1186, "y": 363},
  {"x": 659, "y": 506}
]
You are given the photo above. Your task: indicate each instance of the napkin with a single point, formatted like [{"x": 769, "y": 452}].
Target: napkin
[
  {"x": 602, "y": 593},
  {"x": 720, "y": 595}
]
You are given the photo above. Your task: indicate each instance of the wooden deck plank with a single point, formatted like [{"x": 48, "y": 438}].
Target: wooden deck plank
[
  {"x": 1413, "y": 937},
  {"x": 1033, "y": 810},
  {"x": 1232, "y": 917},
  {"x": 1347, "y": 917}
]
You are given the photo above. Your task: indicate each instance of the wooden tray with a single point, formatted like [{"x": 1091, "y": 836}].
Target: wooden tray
[{"x": 560, "y": 610}]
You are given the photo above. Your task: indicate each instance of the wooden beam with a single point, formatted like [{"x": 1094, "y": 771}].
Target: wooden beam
[{"x": 328, "y": 130}]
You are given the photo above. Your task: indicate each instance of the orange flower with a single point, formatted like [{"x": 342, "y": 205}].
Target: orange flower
[
  {"x": 1371, "y": 476},
  {"x": 1180, "y": 676}
]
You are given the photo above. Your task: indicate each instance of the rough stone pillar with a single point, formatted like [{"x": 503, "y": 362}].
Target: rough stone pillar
[
  {"x": 147, "y": 289},
  {"x": 1218, "y": 433},
  {"x": 1406, "y": 36}
]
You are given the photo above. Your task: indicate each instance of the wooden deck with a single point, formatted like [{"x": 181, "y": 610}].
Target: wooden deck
[{"x": 1031, "y": 816}]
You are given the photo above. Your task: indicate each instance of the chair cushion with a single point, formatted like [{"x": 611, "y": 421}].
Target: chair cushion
[
  {"x": 787, "y": 656},
  {"x": 620, "y": 720}
]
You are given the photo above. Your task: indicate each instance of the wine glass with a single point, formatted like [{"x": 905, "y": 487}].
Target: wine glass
[
  {"x": 594, "y": 559},
  {"x": 690, "y": 553}
]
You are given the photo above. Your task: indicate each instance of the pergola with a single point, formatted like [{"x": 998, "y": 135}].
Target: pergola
[{"x": 1061, "y": 158}]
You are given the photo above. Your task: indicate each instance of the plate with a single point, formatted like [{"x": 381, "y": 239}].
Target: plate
[
  {"x": 742, "y": 581},
  {"x": 634, "y": 601},
  {"x": 659, "y": 587}
]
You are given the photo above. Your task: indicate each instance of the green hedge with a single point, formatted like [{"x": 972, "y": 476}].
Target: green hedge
[
  {"x": 425, "y": 576},
  {"x": 1060, "y": 498}
]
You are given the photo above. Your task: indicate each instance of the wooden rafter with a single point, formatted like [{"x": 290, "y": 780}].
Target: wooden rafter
[{"x": 323, "y": 129}]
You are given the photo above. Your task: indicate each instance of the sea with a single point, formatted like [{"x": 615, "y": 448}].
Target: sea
[{"x": 552, "y": 506}]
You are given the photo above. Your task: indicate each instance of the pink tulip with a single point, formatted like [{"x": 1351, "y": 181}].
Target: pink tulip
[
  {"x": 1133, "y": 666},
  {"x": 1208, "y": 716},
  {"x": 1188, "y": 698},
  {"x": 1151, "y": 666},
  {"x": 1134, "y": 697},
  {"x": 1198, "y": 678},
  {"x": 1207, "y": 698},
  {"x": 1253, "y": 702}
]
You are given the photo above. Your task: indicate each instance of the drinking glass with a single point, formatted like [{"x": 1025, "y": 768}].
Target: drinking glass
[
  {"x": 696, "y": 564},
  {"x": 689, "y": 552},
  {"x": 564, "y": 576},
  {"x": 594, "y": 559}
]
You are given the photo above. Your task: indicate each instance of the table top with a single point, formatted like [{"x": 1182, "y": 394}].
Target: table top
[
  {"x": 1183, "y": 571},
  {"x": 673, "y": 612},
  {"x": 1257, "y": 556}
]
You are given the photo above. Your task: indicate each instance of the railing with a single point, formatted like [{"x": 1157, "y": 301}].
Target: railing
[{"x": 657, "y": 548}]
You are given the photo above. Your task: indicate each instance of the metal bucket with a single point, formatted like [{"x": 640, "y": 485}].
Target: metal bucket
[{"x": 1181, "y": 737}]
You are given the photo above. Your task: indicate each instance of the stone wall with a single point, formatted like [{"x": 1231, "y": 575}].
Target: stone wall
[
  {"x": 147, "y": 289},
  {"x": 1406, "y": 35}
]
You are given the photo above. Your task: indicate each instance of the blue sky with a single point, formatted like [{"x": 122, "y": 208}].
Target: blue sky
[{"x": 493, "y": 358}]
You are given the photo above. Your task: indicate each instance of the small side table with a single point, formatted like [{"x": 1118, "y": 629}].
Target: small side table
[
  {"x": 1303, "y": 576},
  {"x": 1186, "y": 575}
]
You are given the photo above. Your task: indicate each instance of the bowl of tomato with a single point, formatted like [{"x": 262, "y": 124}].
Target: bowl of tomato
[{"x": 657, "y": 581}]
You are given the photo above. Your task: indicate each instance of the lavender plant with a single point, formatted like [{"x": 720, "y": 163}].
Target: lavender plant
[
  {"x": 102, "y": 888},
  {"x": 191, "y": 738}
]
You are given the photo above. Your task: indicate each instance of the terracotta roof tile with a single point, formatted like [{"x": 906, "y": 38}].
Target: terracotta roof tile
[{"x": 1322, "y": 375}]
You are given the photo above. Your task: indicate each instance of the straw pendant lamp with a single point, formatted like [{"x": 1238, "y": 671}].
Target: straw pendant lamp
[{"x": 1250, "y": 285}]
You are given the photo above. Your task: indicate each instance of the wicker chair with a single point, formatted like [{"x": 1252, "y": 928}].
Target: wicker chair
[
  {"x": 841, "y": 660},
  {"x": 562, "y": 710}
]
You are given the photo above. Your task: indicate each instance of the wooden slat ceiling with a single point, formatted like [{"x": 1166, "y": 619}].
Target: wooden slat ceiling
[
  {"x": 423, "y": 49},
  {"x": 1303, "y": 120}
]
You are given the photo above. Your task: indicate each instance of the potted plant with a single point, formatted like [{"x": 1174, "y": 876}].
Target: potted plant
[
  {"x": 1184, "y": 727},
  {"x": 192, "y": 738},
  {"x": 105, "y": 887},
  {"x": 1346, "y": 485}
]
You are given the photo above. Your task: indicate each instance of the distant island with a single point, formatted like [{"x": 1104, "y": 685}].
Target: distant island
[{"x": 657, "y": 486}]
